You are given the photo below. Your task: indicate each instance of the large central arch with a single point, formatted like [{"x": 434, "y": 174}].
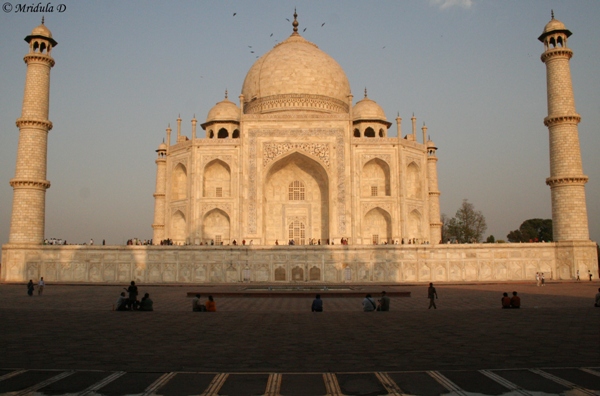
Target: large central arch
[{"x": 296, "y": 194}]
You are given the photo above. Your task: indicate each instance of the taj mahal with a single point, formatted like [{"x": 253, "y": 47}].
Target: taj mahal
[{"x": 294, "y": 181}]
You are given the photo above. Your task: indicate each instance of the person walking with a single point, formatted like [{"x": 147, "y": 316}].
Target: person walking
[
  {"x": 578, "y": 275},
  {"x": 543, "y": 279},
  {"x": 41, "y": 285},
  {"x": 537, "y": 278},
  {"x": 590, "y": 275},
  {"x": 431, "y": 295}
]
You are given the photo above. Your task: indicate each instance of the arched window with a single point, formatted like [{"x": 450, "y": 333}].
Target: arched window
[
  {"x": 236, "y": 134},
  {"x": 296, "y": 191},
  {"x": 356, "y": 133},
  {"x": 297, "y": 232},
  {"x": 381, "y": 134},
  {"x": 35, "y": 46},
  {"x": 43, "y": 48},
  {"x": 369, "y": 132},
  {"x": 222, "y": 133},
  {"x": 211, "y": 134}
]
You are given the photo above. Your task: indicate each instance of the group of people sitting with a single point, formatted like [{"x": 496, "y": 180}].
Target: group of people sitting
[
  {"x": 511, "y": 302},
  {"x": 209, "y": 306},
  {"x": 131, "y": 303}
]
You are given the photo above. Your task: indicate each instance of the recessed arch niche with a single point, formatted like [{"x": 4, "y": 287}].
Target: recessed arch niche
[
  {"x": 217, "y": 179},
  {"x": 375, "y": 173},
  {"x": 179, "y": 184}
]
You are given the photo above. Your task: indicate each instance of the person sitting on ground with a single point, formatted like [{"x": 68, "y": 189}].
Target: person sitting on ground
[
  {"x": 515, "y": 301},
  {"x": 317, "y": 304},
  {"x": 384, "y": 302},
  {"x": 211, "y": 306},
  {"x": 597, "y": 304},
  {"x": 146, "y": 303},
  {"x": 505, "y": 301},
  {"x": 197, "y": 306},
  {"x": 121, "y": 302},
  {"x": 368, "y": 304}
]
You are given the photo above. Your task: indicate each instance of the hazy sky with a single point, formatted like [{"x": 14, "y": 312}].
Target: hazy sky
[{"x": 470, "y": 69}]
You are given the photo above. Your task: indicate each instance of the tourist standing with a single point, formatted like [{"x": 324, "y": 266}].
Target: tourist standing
[
  {"x": 368, "y": 304},
  {"x": 384, "y": 302},
  {"x": 590, "y": 275},
  {"x": 432, "y": 295},
  {"x": 133, "y": 292},
  {"x": 317, "y": 304},
  {"x": 41, "y": 285},
  {"x": 30, "y": 288},
  {"x": 578, "y": 275},
  {"x": 537, "y": 278},
  {"x": 543, "y": 279}
]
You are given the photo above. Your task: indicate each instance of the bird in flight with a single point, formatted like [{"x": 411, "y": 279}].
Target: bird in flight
[
  {"x": 235, "y": 13},
  {"x": 287, "y": 19},
  {"x": 251, "y": 52},
  {"x": 249, "y": 46},
  {"x": 271, "y": 35},
  {"x": 323, "y": 24},
  {"x": 304, "y": 30}
]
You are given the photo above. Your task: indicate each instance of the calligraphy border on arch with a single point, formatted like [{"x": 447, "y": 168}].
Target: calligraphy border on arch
[{"x": 337, "y": 133}]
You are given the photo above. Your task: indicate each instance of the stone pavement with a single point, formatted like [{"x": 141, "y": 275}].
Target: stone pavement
[{"x": 277, "y": 345}]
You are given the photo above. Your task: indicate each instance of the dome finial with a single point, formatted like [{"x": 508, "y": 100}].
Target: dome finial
[
  {"x": 225, "y": 93},
  {"x": 295, "y": 23},
  {"x": 365, "y": 92},
  {"x": 42, "y": 19},
  {"x": 552, "y": 13}
]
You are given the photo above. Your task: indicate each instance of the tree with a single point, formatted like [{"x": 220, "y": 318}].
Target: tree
[
  {"x": 490, "y": 239},
  {"x": 468, "y": 225},
  {"x": 532, "y": 230}
]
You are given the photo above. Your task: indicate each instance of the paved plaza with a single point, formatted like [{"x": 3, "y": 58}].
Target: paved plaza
[{"x": 69, "y": 341}]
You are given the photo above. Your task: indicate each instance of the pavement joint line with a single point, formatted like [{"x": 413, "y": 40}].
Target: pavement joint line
[
  {"x": 12, "y": 374},
  {"x": 332, "y": 385},
  {"x": 44, "y": 383},
  {"x": 166, "y": 377},
  {"x": 273, "y": 384},
  {"x": 590, "y": 371},
  {"x": 504, "y": 382},
  {"x": 215, "y": 385},
  {"x": 446, "y": 383},
  {"x": 390, "y": 386},
  {"x": 100, "y": 384},
  {"x": 563, "y": 382}
]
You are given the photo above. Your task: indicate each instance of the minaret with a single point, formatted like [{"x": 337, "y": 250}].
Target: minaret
[
  {"x": 566, "y": 181},
  {"x": 30, "y": 184},
  {"x": 159, "y": 195},
  {"x": 435, "y": 225}
]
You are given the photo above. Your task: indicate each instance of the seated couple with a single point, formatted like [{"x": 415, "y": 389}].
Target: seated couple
[
  {"x": 514, "y": 302},
  {"x": 208, "y": 306}
]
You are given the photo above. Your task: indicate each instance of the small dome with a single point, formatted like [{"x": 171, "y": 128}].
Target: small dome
[
  {"x": 41, "y": 30},
  {"x": 431, "y": 144},
  {"x": 225, "y": 110},
  {"x": 367, "y": 109},
  {"x": 162, "y": 147},
  {"x": 554, "y": 24}
]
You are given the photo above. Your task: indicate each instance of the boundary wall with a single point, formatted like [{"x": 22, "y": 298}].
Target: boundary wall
[{"x": 292, "y": 264}]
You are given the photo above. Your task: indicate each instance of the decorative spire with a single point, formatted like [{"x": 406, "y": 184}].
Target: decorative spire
[
  {"x": 551, "y": 13},
  {"x": 42, "y": 19},
  {"x": 225, "y": 93},
  {"x": 295, "y": 23},
  {"x": 365, "y": 92}
]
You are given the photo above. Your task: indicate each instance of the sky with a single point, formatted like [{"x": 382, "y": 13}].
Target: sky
[{"x": 469, "y": 69}]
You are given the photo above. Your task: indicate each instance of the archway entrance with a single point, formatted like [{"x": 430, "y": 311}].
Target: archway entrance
[{"x": 296, "y": 201}]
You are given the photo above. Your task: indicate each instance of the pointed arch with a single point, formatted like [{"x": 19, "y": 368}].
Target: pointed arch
[
  {"x": 179, "y": 183},
  {"x": 356, "y": 133},
  {"x": 217, "y": 179},
  {"x": 236, "y": 134},
  {"x": 295, "y": 188},
  {"x": 178, "y": 227},
  {"x": 413, "y": 181},
  {"x": 415, "y": 225},
  {"x": 211, "y": 134},
  {"x": 369, "y": 132},
  {"x": 381, "y": 133},
  {"x": 223, "y": 134},
  {"x": 375, "y": 178},
  {"x": 377, "y": 226},
  {"x": 216, "y": 226}
]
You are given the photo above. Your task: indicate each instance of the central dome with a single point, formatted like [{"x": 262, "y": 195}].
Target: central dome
[{"x": 296, "y": 75}]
